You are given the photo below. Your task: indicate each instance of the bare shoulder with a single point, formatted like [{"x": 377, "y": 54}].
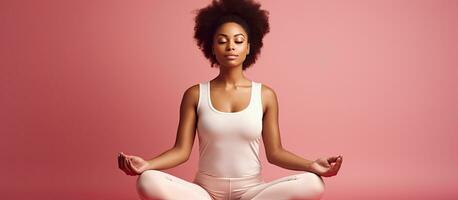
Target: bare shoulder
[
  {"x": 267, "y": 91},
  {"x": 269, "y": 97},
  {"x": 191, "y": 95},
  {"x": 192, "y": 90}
]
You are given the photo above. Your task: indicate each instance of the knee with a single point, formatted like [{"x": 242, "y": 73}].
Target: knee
[
  {"x": 149, "y": 178},
  {"x": 314, "y": 185},
  {"x": 149, "y": 184}
]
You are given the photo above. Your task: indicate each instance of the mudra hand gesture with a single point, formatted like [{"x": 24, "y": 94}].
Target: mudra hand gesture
[
  {"x": 326, "y": 167},
  {"x": 132, "y": 165}
]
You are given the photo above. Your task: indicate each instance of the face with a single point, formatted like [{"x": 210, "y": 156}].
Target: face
[{"x": 230, "y": 45}]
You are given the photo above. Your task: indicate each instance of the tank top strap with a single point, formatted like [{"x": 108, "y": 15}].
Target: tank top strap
[
  {"x": 203, "y": 95},
  {"x": 257, "y": 103}
]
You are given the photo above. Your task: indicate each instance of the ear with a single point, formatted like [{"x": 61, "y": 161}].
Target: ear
[{"x": 248, "y": 52}]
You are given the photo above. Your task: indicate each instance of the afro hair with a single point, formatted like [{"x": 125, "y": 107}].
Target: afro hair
[{"x": 246, "y": 13}]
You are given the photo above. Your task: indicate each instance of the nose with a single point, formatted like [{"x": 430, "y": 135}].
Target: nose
[{"x": 230, "y": 46}]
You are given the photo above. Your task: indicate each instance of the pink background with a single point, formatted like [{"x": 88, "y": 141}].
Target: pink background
[{"x": 375, "y": 81}]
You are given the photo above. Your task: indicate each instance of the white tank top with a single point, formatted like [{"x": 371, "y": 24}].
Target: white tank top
[{"x": 229, "y": 141}]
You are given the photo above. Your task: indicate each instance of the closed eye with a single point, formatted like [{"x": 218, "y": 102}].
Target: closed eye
[{"x": 225, "y": 42}]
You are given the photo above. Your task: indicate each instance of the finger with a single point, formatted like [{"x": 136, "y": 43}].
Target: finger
[
  {"x": 123, "y": 165},
  {"x": 125, "y": 155},
  {"x": 131, "y": 170},
  {"x": 333, "y": 166},
  {"x": 132, "y": 164},
  {"x": 119, "y": 161},
  {"x": 339, "y": 161},
  {"x": 332, "y": 159},
  {"x": 126, "y": 163},
  {"x": 337, "y": 165},
  {"x": 132, "y": 167}
]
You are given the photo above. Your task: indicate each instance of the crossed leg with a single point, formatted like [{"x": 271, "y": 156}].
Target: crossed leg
[
  {"x": 304, "y": 186},
  {"x": 155, "y": 184}
]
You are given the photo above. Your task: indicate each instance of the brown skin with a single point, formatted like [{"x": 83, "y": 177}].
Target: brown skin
[{"x": 230, "y": 92}]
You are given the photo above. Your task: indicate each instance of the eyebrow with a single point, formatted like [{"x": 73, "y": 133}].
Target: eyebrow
[{"x": 234, "y": 35}]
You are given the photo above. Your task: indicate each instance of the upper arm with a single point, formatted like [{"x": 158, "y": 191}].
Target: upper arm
[
  {"x": 270, "y": 129},
  {"x": 188, "y": 120}
]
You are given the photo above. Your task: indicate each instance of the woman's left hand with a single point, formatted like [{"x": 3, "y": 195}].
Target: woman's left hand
[{"x": 326, "y": 166}]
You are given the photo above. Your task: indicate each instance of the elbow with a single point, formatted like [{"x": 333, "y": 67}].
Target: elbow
[
  {"x": 273, "y": 156},
  {"x": 186, "y": 158},
  {"x": 270, "y": 160},
  {"x": 183, "y": 154}
]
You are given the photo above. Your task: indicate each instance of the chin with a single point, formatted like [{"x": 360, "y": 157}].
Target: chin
[{"x": 231, "y": 64}]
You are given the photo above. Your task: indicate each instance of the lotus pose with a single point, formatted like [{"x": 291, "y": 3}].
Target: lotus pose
[{"x": 231, "y": 114}]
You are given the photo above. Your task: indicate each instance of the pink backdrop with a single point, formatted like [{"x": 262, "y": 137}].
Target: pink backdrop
[{"x": 375, "y": 81}]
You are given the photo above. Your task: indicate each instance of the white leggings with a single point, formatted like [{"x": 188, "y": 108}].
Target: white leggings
[{"x": 155, "y": 184}]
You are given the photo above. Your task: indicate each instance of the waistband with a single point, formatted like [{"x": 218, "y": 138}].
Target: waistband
[{"x": 201, "y": 175}]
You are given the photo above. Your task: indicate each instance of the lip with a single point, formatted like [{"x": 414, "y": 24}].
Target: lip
[{"x": 231, "y": 56}]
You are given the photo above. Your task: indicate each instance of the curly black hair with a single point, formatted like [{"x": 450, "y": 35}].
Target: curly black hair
[{"x": 246, "y": 13}]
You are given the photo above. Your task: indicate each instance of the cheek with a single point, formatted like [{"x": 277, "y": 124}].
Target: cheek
[
  {"x": 245, "y": 48},
  {"x": 219, "y": 49}
]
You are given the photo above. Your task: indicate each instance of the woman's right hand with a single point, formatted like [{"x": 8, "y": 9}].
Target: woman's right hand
[{"x": 132, "y": 165}]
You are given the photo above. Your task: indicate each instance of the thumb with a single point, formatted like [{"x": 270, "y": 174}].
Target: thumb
[{"x": 132, "y": 166}]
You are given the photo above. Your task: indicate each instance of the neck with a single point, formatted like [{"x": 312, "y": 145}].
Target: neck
[{"x": 231, "y": 76}]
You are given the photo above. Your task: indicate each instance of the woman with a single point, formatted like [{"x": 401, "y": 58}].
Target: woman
[{"x": 231, "y": 115}]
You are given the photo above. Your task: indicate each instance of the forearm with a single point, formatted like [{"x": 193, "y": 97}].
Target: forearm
[
  {"x": 288, "y": 160},
  {"x": 167, "y": 159}
]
